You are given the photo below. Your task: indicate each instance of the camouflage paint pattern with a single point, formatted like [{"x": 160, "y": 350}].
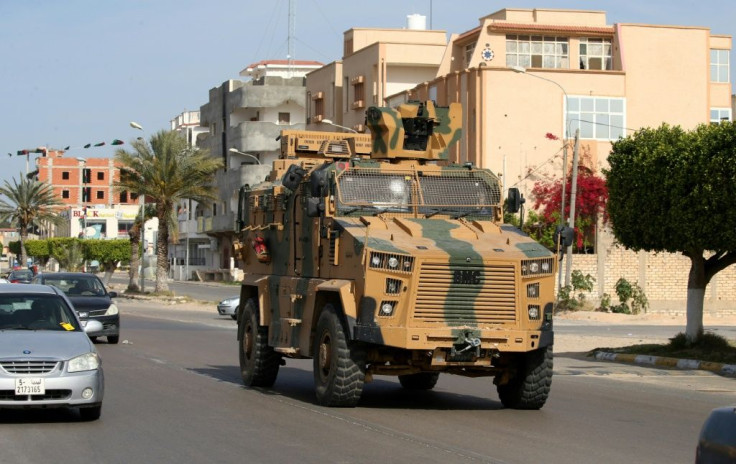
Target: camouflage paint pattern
[{"x": 442, "y": 261}]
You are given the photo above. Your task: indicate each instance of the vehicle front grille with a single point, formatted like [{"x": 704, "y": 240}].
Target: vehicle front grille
[
  {"x": 9, "y": 395},
  {"x": 466, "y": 294},
  {"x": 28, "y": 367}
]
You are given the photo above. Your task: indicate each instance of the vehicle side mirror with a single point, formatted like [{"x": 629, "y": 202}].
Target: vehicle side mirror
[
  {"x": 564, "y": 235},
  {"x": 514, "y": 200},
  {"x": 92, "y": 326},
  {"x": 113, "y": 294},
  {"x": 315, "y": 206}
]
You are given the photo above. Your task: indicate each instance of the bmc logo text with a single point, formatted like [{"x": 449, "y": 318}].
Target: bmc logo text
[{"x": 466, "y": 277}]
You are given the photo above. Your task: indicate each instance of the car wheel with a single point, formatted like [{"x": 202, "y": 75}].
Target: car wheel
[
  {"x": 90, "y": 414},
  {"x": 339, "y": 365},
  {"x": 93, "y": 339},
  {"x": 113, "y": 339},
  {"x": 234, "y": 316},
  {"x": 259, "y": 363}
]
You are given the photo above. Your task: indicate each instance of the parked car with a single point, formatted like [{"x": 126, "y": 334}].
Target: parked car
[
  {"x": 20, "y": 276},
  {"x": 46, "y": 358},
  {"x": 717, "y": 442},
  {"x": 90, "y": 298},
  {"x": 229, "y": 307}
]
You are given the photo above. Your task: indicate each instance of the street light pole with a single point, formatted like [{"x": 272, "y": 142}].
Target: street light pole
[
  {"x": 522, "y": 70},
  {"x": 233, "y": 150},
  {"x": 135, "y": 125},
  {"x": 329, "y": 122}
]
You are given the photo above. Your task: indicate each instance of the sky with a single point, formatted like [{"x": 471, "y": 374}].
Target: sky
[{"x": 75, "y": 72}]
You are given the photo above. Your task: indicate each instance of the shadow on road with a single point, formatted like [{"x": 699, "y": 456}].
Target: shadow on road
[{"x": 381, "y": 393}]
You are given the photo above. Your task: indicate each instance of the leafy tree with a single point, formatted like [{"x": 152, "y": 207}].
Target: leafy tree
[
  {"x": 29, "y": 202},
  {"x": 672, "y": 191},
  {"x": 68, "y": 251},
  {"x": 109, "y": 253},
  {"x": 166, "y": 170},
  {"x": 590, "y": 203},
  {"x": 39, "y": 249}
]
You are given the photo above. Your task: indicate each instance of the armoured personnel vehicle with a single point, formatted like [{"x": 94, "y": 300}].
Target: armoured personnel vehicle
[{"x": 375, "y": 256}]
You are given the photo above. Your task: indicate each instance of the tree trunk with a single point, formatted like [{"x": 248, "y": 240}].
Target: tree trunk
[
  {"x": 23, "y": 238},
  {"x": 162, "y": 251},
  {"x": 135, "y": 260},
  {"x": 696, "y": 283}
]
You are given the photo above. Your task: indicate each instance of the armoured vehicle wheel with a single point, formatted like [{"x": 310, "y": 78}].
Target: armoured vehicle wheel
[
  {"x": 420, "y": 381},
  {"x": 259, "y": 363},
  {"x": 529, "y": 389},
  {"x": 339, "y": 366}
]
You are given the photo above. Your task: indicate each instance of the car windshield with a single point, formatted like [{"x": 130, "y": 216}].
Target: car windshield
[
  {"x": 22, "y": 274},
  {"x": 36, "y": 312},
  {"x": 77, "y": 285}
]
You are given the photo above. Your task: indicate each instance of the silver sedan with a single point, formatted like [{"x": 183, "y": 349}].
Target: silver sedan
[
  {"x": 229, "y": 307},
  {"x": 46, "y": 358}
]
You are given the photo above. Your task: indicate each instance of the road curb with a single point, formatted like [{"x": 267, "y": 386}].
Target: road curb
[{"x": 727, "y": 370}]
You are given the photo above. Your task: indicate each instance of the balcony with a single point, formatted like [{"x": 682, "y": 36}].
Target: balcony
[
  {"x": 258, "y": 136},
  {"x": 266, "y": 96}
]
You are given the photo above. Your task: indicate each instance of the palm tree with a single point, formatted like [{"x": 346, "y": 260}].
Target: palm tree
[
  {"x": 27, "y": 203},
  {"x": 166, "y": 170}
]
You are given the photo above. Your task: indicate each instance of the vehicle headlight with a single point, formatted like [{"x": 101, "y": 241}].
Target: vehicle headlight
[
  {"x": 86, "y": 362},
  {"x": 111, "y": 310},
  {"x": 537, "y": 267},
  {"x": 393, "y": 263}
]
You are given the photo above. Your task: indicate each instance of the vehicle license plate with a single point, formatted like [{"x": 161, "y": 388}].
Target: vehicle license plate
[{"x": 30, "y": 386}]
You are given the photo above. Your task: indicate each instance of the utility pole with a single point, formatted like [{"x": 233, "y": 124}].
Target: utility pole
[{"x": 573, "y": 194}]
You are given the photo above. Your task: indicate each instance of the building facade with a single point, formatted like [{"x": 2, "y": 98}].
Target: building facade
[{"x": 242, "y": 120}]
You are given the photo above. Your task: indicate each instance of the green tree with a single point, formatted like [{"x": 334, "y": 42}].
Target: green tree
[
  {"x": 672, "y": 191},
  {"x": 38, "y": 249},
  {"x": 166, "y": 170},
  {"x": 68, "y": 251},
  {"x": 110, "y": 253},
  {"x": 28, "y": 203}
]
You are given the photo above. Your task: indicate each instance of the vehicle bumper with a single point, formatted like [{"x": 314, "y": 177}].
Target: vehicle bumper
[
  {"x": 226, "y": 310},
  {"x": 61, "y": 391}
]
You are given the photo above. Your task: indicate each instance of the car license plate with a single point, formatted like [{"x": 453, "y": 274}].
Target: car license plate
[{"x": 30, "y": 386}]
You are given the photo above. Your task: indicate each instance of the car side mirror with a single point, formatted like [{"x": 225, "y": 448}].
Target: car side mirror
[
  {"x": 514, "y": 200},
  {"x": 113, "y": 294},
  {"x": 564, "y": 235},
  {"x": 92, "y": 326}
]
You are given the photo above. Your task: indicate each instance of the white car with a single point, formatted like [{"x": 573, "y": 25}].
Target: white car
[
  {"x": 229, "y": 307},
  {"x": 46, "y": 358}
]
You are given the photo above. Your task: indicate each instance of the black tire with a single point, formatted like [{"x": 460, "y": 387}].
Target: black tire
[
  {"x": 234, "y": 317},
  {"x": 529, "y": 388},
  {"x": 113, "y": 339},
  {"x": 90, "y": 414},
  {"x": 93, "y": 339},
  {"x": 339, "y": 365},
  {"x": 259, "y": 363},
  {"x": 420, "y": 381}
]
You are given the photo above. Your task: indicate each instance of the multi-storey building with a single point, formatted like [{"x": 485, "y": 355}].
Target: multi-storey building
[
  {"x": 376, "y": 63},
  {"x": 243, "y": 120},
  {"x": 85, "y": 186}
]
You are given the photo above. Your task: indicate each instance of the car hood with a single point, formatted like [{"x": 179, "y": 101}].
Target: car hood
[
  {"x": 47, "y": 344},
  {"x": 86, "y": 303}
]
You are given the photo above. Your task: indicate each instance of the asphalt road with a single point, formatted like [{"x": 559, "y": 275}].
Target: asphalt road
[{"x": 174, "y": 395}]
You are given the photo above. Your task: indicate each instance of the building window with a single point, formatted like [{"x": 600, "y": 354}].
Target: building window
[
  {"x": 123, "y": 196},
  {"x": 469, "y": 49},
  {"x": 65, "y": 194},
  {"x": 719, "y": 65},
  {"x": 284, "y": 118},
  {"x": 537, "y": 51},
  {"x": 133, "y": 196},
  {"x": 718, "y": 115},
  {"x": 64, "y": 175},
  {"x": 100, "y": 194},
  {"x": 101, "y": 175},
  {"x": 600, "y": 118},
  {"x": 596, "y": 54}
]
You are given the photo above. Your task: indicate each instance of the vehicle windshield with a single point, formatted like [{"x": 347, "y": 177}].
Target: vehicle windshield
[
  {"x": 36, "y": 312},
  {"x": 454, "y": 192},
  {"x": 77, "y": 285},
  {"x": 22, "y": 273}
]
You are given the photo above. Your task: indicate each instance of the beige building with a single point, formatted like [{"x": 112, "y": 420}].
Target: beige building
[
  {"x": 528, "y": 79},
  {"x": 376, "y": 63}
]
